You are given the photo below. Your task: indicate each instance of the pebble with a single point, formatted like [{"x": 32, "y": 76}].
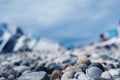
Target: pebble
[
  {"x": 83, "y": 67},
  {"x": 2, "y": 78},
  {"x": 84, "y": 77},
  {"x": 41, "y": 68},
  {"x": 35, "y": 76},
  {"x": 94, "y": 72},
  {"x": 106, "y": 75},
  {"x": 21, "y": 69},
  {"x": 66, "y": 66},
  {"x": 6, "y": 71},
  {"x": 100, "y": 66},
  {"x": 67, "y": 76},
  {"x": 56, "y": 75}
]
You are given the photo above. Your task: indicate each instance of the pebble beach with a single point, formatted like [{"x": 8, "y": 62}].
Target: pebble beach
[{"x": 62, "y": 64}]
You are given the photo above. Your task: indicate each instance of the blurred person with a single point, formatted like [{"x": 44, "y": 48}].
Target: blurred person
[
  {"x": 103, "y": 38},
  {"x": 118, "y": 31}
]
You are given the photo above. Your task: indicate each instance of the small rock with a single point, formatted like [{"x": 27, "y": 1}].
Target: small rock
[
  {"x": 106, "y": 75},
  {"x": 35, "y": 76},
  {"x": 67, "y": 76},
  {"x": 94, "y": 72}
]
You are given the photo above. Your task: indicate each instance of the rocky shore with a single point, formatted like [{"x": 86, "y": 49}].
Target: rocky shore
[{"x": 60, "y": 65}]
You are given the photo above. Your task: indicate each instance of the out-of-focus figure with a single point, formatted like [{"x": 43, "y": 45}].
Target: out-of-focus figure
[
  {"x": 118, "y": 29},
  {"x": 103, "y": 38}
]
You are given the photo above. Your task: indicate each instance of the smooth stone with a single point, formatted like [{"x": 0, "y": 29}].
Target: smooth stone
[
  {"x": 76, "y": 75},
  {"x": 21, "y": 69},
  {"x": 2, "y": 78},
  {"x": 56, "y": 79},
  {"x": 25, "y": 63},
  {"x": 83, "y": 67},
  {"x": 104, "y": 57},
  {"x": 117, "y": 79},
  {"x": 84, "y": 77},
  {"x": 34, "y": 65},
  {"x": 35, "y": 76},
  {"x": 11, "y": 77},
  {"x": 67, "y": 76},
  {"x": 54, "y": 67},
  {"x": 101, "y": 61},
  {"x": 114, "y": 72},
  {"x": 17, "y": 63},
  {"x": 41, "y": 68},
  {"x": 111, "y": 66},
  {"x": 87, "y": 62},
  {"x": 84, "y": 60},
  {"x": 31, "y": 61},
  {"x": 1, "y": 74},
  {"x": 106, "y": 75},
  {"x": 7, "y": 70},
  {"x": 102, "y": 79},
  {"x": 5, "y": 63},
  {"x": 26, "y": 72},
  {"x": 56, "y": 74},
  {"x": 42, "y": 63},
  {"x": 94, "y": 72},
  {"x": 61, "y": 59},
  {"x": 64, "y": 66},
  {"x": 49, "y": 64},
  {"x": 118, "y": 65},
  {"x": 73, "y": 69},
  {"x": 69, "y": 62},
  {"x": 100, "y": 66}
]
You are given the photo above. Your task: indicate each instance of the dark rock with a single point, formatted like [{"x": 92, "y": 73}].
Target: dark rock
[
  {"x": 100, "y": 66},
  {"x": 94, "y": 72},
  {"x": 54, "y": 67},
  {"x": 8, "y": 70},
  {"x": 41, "y": 68},
  {"x": 83, "y": 67}
]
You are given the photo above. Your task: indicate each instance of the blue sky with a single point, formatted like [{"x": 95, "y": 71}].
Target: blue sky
[{"x": 66, "y": 21}]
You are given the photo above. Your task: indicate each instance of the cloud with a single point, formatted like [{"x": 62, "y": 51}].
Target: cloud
[
  {"x": 66, "y": 18},
  {"x": 47, "y": 12}
]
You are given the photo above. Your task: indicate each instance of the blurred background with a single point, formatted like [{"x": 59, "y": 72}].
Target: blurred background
[{"x": 69, "y": 22}]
